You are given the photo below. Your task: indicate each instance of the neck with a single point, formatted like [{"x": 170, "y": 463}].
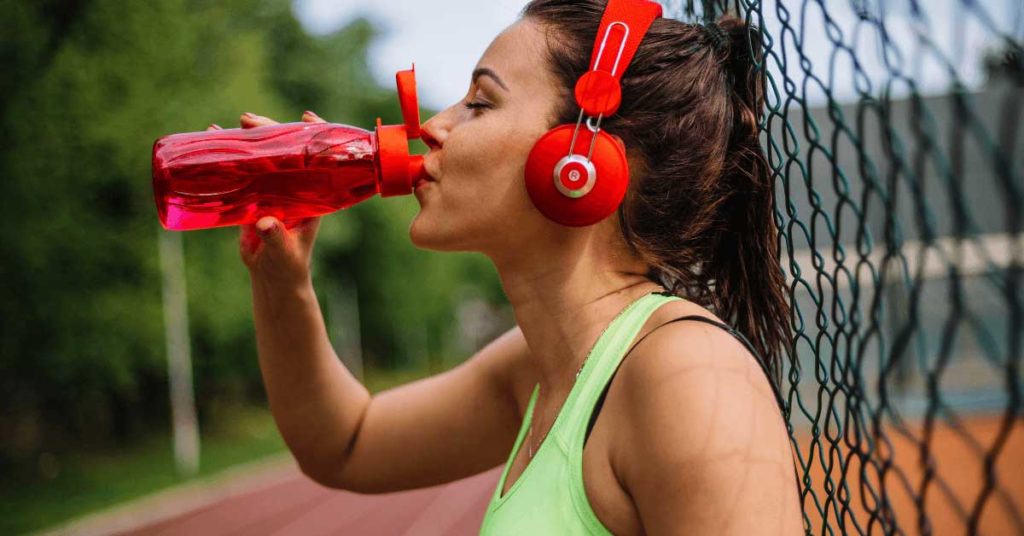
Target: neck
[{"x": 564, "y": 297}]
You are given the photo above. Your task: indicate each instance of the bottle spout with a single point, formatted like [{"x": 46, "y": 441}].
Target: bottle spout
[
  {"x": 416, "y": 170},
  {"x": 399, "y": 170}
]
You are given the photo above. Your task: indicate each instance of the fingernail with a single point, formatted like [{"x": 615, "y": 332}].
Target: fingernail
[
  {"x": 307, "y": 112},
  {"x": 216, "y": 126},
  {"x": 265, "y": 227},
  {"x": 250, "y": 115}
]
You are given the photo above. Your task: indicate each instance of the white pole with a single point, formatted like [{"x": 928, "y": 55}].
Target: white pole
[{"x": 179, "y": 360}]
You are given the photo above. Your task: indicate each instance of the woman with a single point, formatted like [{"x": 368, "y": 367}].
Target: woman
[{"x": 683, "y": 437}]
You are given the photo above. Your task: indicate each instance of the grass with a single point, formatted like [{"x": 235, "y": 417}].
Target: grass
[
  {"x": 91, "y": 481},
  {"x": 86, "y": 482}
]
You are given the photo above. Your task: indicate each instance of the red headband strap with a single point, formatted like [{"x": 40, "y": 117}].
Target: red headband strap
[
  {"x": 598, "y": 91},
  {"x": 635, "y": 14}
]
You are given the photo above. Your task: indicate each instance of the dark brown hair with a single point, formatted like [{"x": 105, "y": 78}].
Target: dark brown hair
[{"x": 699, "y": 209}]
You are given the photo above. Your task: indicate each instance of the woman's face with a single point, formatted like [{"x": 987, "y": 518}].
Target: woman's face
[{"x": 478, "y": 199}]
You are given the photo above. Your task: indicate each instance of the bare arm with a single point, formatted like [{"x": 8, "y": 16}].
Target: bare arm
[
  {"x": 317, "y": 404},
  {"x": 427, "y": 432},
  {"x": 441, "y": 428}
]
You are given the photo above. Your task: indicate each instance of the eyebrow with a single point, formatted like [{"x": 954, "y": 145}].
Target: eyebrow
[{"x": 484, "y": 71}]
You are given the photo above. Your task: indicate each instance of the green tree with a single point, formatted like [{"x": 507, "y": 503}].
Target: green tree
[{"x": 87, "y": 88}]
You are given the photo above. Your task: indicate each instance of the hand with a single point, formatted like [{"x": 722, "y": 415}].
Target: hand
[{"x": 275, "y": 253}]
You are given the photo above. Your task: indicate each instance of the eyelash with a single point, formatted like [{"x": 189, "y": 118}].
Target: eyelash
[{"x": 476, "y": 105}]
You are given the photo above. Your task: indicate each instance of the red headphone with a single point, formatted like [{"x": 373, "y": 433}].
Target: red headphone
[{"x": 578, "y": 176}]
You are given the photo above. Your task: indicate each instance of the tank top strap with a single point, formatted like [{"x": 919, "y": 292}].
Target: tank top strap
[{"x": 602, "y": 363}]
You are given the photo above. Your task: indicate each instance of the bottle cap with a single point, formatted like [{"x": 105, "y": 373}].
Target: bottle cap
[{"x": 398, "y": 169}]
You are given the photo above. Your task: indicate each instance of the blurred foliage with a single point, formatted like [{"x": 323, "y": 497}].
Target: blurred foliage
[
  {"x": 87, "y": 87},
  {"x": 77, "y": 483}
]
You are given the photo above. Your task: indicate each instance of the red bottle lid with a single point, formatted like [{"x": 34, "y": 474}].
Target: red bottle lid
[{"x": 399, "y": 170}]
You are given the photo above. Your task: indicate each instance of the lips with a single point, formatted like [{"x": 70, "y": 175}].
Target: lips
[{"x": 423, "y": 178}]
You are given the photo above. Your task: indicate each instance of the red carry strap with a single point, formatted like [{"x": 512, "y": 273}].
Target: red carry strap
[{"x": 598, "y": 91}]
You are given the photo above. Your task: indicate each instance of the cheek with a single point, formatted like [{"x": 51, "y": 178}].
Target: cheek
[
  {"x": 487, "y": 163},
  {"x": 482, "y": 194}
]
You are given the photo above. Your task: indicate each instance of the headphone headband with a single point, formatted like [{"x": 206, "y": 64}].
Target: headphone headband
[
  {"x": 623, "y": 26},
  {"x": 564, "y": 185},
  {"x": 637, "y": 16}
]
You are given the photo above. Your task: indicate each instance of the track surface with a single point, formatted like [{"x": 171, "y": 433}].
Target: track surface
[
  {"x": 296, "y": 505},
  {"x": 291, "y": 504}
]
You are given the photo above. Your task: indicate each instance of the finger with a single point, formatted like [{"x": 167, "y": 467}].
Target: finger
[
  {"x": 249, "y": 240},
  {"x": 308, "y": 229},
  {"x": 251, "y": 120},
  {"x": 273, "y": 233},
  {"x": 214, "y": 126},
  {"x": 292, "y": 223},
  {"x": 311, "y": 117}
]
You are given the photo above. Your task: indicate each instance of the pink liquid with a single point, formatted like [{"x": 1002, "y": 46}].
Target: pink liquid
[{"x": 236, "y": 176}]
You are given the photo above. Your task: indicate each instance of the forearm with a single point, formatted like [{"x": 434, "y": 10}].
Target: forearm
[{"x": 316, "y": 402}]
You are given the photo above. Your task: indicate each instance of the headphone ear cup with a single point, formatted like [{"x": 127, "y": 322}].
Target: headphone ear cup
[
  {"x": 571, "y": 201},
  {"x": 618, "y": 140}
]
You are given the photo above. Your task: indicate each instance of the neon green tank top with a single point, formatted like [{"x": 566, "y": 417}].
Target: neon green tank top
[{"x": 548, "y": 497}]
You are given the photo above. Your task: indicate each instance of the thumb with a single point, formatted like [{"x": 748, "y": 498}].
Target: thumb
[{"x": 271, "y": 231}]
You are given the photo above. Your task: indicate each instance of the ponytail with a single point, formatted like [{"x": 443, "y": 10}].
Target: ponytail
[{"x": 748, "y": 280}]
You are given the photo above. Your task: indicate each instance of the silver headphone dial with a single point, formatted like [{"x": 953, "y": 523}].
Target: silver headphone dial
[{"x": 575, "y": 176}]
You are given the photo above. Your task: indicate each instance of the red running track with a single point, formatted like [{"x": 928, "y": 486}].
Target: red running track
[{"x": 296, "y": 505}]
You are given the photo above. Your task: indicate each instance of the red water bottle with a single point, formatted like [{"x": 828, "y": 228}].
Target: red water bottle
[{"x": 291, "y": 171}]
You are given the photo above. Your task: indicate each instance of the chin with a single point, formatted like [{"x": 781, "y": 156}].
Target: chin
[{"x": 426, "y": 233}]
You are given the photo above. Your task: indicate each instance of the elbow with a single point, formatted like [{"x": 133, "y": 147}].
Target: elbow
[
  {"x": 327, "y": 465},
  {"x": 335, "y": 478},
  {"x": 329, "y": 475},
  {"x": 321, "y": 464},
  {"x": 331, "y": 470}
]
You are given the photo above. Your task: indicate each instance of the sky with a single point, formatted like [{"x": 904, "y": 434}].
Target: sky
[{"x": 445, "y": 44}]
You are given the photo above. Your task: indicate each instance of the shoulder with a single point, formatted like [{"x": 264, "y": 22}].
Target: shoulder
[
  {"x": 690, "y": 361},
  {"x": 699, "y": 433},
  {"x": 690, "y": 376}
]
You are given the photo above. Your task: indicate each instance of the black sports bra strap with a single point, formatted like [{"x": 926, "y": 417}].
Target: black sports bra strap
[{"x": 743, "y": 340}]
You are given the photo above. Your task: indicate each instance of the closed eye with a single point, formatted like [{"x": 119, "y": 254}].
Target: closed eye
[{"x": 477, "y": 105}]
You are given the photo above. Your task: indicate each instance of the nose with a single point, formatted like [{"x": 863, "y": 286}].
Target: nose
[
  {"x": 434, "y": 131},
  {"x": 428, "y": 138}
]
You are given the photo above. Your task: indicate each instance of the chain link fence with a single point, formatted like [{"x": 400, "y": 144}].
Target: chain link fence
[{"x": 893, "y": 131}]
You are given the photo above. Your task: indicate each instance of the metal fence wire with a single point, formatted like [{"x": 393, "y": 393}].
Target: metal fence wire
[{"x": 892, "y": 129}]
